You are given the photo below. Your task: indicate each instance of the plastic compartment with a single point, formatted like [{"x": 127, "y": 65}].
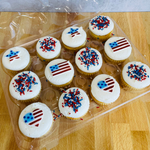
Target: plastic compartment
[{"x": 50, "y": 95}]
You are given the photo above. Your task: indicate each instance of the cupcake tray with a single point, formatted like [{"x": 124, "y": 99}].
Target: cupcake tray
[{"x": 50, "y": 94}]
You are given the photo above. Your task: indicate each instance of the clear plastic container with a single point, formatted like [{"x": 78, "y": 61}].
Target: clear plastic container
[{"x": 50, "y": 95}]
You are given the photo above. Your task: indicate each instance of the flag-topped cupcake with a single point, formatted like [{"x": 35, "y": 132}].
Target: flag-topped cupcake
[
  {"x": 117, "y": 49},
  {"x": 59, "y": 72}
]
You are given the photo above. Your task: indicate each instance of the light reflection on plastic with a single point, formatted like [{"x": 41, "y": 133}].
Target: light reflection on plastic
[
  {"x": 58, "y": 8},
  {"x": 12, "y": 31}
]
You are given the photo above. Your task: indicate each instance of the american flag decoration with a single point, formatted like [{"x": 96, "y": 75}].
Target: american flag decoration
[
  {"x": 33, "y": 118},
  {"x": 60, "y": 68},
  {"x": 106, "y": 85},
  {"x": 74, "y": 32},
  {"x": 119, "y": 45},
  {"x": 13, "y": 55}
]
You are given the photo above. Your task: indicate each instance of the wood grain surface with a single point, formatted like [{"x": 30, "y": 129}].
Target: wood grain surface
[{"x": 127, "y": 128}]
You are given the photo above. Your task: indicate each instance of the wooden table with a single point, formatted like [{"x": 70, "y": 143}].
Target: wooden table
[{"x": 127, "y": 128}]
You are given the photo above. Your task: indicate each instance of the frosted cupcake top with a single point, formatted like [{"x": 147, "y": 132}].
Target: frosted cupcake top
[
  {"x": 88, "y": 60},
  {"x": 101, "y": 25},
  {"x": 74, "y": 103},
  {"x": 59, "y": 71},
  {"x": 105, "y": 88},
  {"x": 48, "y": 47},
  {"x": 16, "y": 58},
  {"x": 136, "y": 74},
  {"x": 117, "y": 48},
  {"x": 73, "y": 36},
  {"x": 25, "y": 85},
  {"x": 35, "y": 120}
]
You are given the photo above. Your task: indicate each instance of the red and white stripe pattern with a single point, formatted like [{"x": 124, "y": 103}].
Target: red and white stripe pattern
[
  {"x": 37, "y": 113},
  {"x": 14, "y": 57},
  {"x": 75, "y": 33},
  {"x": 119, "y": 44},
  {"x": 110, "y": 84},
  {"x": 62, "y": 68}
]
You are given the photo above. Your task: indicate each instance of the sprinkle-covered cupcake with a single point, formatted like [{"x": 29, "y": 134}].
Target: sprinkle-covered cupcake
[
  {"x": 25, "y": 86},
  {"x": 59, "y": 72},
  {"x": 136, "y": 75},
  {"x": 117, "y": 49},
  {"x": 74, "y": 103},
  {"x": 16, "y": 59},
  {"x": 104, "y": 89},
  {"x": 48, "y": 48},
  {"x": 88, "y": 61},
  {"x": 35, "y": 120},
  {"x": 74, "y": 38},
  {"x": 101, "y": 27}
]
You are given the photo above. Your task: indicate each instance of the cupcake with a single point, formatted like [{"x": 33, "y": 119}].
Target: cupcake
[
  {"x": 117, "y": 49},
  {"x": 48, "y": 48},
  {"x": 35, "y": 120},
  {"x": 74, "y": 103},
  {"x": 135, "y": 75},
  {"x": 73, "y": 38},
  {"x": 88, "y": 61},
  {"x": 104, "y": 89},
  {"x": 16, "y": 59},
  {"x": 59, "y": 72},
  {"x": 101, "y": 27},
  {"x": 25, "y": 86}
]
